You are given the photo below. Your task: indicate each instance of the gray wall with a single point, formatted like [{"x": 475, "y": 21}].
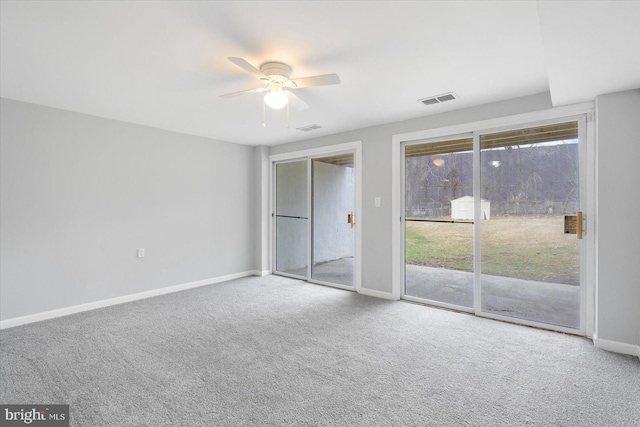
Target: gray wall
[
  {"x": 262, "y": 167},
  {"x": 618, "y": 203},
  {"x": 79, "y": 194},
  {"x": 376, "y": 174}
]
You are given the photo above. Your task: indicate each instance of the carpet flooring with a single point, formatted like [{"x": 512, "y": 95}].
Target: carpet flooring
[{"x": 281, "y": 352}]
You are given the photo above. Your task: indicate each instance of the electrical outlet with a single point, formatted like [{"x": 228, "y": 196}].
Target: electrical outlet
[{"x": 140, "y": 252}]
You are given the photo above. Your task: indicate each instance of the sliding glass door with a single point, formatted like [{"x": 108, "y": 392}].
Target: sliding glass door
[
  {"x": 530, "y": 181},
  {"x": 291, "y": 218},
  {"x": 439, "y": 222},
  {"x": 315, "y": 219},
  {"x": 492, "y": 223},
  {"x": 333, "y": 222}
]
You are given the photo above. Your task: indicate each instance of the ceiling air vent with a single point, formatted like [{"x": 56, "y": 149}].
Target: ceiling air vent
[
  {"x": 439, "y": 98},
  {"x": 309, "y": 128}
]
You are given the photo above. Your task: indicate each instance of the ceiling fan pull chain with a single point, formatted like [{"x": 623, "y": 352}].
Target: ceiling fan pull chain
[
  {"x": 264, "y": 114},
  {"x": 287, "y": 115}
]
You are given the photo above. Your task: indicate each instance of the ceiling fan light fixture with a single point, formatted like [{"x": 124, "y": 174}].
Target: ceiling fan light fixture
[
  {"x": 276, "y": 98},
  {"x": 278, "y": 84}
]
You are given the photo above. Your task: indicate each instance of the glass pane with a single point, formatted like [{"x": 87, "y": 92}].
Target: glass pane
[
  {"x": 291, "y": 246},
  {"x": 333, "y": 236},
  {"x": 291, "y": 218},
  {"x": 530, "y": 268},
  {"x": 439, "y": 222}
]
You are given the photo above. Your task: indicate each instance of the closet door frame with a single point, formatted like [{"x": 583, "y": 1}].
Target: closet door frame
[{"x": 308, "y": 155}]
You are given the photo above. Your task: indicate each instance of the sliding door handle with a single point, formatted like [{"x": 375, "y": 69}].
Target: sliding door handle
[
  {"x": 573, "y": 225},
  {"x": 579, "y": 226},
  {"x": 351, "y": 219}
]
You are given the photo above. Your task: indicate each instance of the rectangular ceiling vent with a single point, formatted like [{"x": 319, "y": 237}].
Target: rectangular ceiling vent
[
  {"x": 439, "y": 99},
  {"x": 309, "y": 128}
]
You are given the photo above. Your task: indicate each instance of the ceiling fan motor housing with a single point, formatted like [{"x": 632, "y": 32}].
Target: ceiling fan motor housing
[{"x": 276, "y": 71}]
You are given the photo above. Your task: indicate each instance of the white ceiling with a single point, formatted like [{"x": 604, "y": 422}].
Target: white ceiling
[{"x": 163, "y": 64}]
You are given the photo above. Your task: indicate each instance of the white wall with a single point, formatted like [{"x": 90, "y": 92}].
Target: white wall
[
  {"x": 618, "y": 204},
  {"x": 79, "y": 194}
]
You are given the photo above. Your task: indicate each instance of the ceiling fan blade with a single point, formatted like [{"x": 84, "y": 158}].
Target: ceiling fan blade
[
  {"x": 322, "y": 80},
  {"x": 246, "y": 66},
  {"x": 296, "y": 102},
  {"x": 242, "y": 92}
]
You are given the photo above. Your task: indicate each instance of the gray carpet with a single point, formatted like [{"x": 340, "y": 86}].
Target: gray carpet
[{"x": 276, "y": 351}]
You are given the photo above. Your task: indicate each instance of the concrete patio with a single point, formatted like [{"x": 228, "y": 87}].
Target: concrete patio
[{"x": 551, "y": 303}]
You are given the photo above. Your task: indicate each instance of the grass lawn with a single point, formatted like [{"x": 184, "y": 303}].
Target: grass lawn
[{"x": 527, "y": 247}]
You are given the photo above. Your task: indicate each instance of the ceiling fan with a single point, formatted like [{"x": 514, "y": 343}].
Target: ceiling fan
[{"x": 279, "y": 85}]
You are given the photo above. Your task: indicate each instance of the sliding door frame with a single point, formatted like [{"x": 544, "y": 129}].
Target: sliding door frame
[
  {"x": 403, "y": 269},
  {"x": 274, "y": 218},
  {"x": 581, "y": 120},
  {"x": 308, "y": 155},
  {"x": 579, "y": 112}
]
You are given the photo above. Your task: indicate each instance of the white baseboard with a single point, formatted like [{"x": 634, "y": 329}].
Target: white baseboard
[
  {"x": 377, "y": 294},
  {"x": 261, "y": 272},
  {"x": 616, "y": 346},
  {"x": 31, "y": 318}
]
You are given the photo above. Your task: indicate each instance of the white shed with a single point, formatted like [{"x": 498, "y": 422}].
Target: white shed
[{"x": 462, "y": 208}]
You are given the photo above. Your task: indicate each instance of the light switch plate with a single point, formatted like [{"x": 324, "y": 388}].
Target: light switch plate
[{"x": 376, "y": 202}]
